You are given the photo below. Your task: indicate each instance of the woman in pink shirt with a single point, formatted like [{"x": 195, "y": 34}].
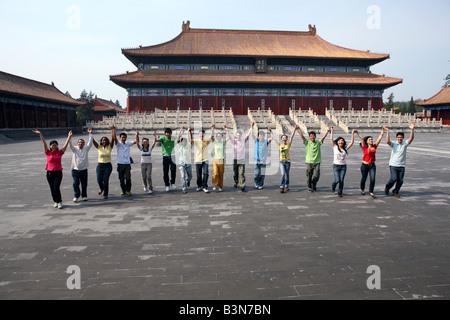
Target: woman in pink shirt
[{"x": 54, "y": 167}]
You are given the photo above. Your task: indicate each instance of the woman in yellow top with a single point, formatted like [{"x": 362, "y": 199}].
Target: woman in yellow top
[
  {"x": 104, "y": 166},
  {"x": 285, "y": 160}
]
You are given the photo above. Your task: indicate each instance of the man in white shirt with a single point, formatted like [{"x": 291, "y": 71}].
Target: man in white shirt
[
  {"x": 124, "y": 162},
  {"x": 80, "y": 164}
]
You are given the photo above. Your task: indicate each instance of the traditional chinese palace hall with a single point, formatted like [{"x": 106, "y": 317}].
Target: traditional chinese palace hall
[
  {"x": 240, "y": 69},
  {"x": 26, "y": 103},
  {"x": 438, "y": 106}
]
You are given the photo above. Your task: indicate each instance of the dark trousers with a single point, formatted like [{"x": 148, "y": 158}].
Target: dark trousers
[
  {"x": 80, "y": 176},
  {"x": 202, "y": 174},
  {"x": 124, "y": 171},
  {"x": 371, "y": 170},
  {"x": 312, "y": 174},
  {"x": 339, "y": 176},
  {"x": 54, "y": 179},
  {"x": 239, "y": 173},
  {"x": 104, "y": 171},
  {"x": 168, "y": 163},
  {"x": 397, "y": 175}
]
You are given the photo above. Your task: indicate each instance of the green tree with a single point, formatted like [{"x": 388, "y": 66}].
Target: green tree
[
  {"x": 84, "y": 113},
  {"x": 117, "y": 103},
  {"x": 411, "y": 107},
  {"x": 389, "y": 105},
  {"x": 447, "y": 81}
]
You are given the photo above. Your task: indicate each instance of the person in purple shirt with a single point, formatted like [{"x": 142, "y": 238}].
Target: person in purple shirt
[{"x": 239, "y": 157}]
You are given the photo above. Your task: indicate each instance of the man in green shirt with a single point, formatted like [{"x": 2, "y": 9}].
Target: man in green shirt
[
  {"x": 168, "y": 144},
  {"x": 313, "y": 158}
]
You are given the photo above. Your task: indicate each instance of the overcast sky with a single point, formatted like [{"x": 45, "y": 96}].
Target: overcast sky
[{"x": 77, "y": 44}]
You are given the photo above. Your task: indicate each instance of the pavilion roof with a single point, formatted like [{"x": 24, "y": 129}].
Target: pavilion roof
[
  {"x": 106, "y": 105},
  {"x": 300, "y": 78},
  {"x": 12, "y": 84},
  {"x": 442, "y": 97},
  {"x": 251, "y": 43}
]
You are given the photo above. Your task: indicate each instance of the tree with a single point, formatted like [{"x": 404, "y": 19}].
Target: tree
[
  {"x": 84, "y": 113},
  {"x": 447, "y": 81},
  {"x": 390, "y": 103},
  {"x": 117, "y": 103},
  {"x": 411, "y": 107}
]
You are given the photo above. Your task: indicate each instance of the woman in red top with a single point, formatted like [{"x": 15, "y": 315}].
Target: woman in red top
[
  {"x": 54, "y": 167},
  {"x": 368, "y": 164}
]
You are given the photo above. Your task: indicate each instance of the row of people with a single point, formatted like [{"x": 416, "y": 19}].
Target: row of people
[{"x": 200, "y": 145}]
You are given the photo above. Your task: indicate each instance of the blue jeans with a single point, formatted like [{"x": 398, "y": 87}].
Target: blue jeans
[
  {"x": 397, "y": 175},
  {"x": 104, "y": 171},
  {"x": 80, "y": 176},
  {"x": 260, "y": 173},
  {"x": 285, "y": 167},
  {"x": 186, "y": 175},
  {"x": 202, "y": 175},
  {"x": 371, "y": 170},
  {"x": 339, "y": 176}
]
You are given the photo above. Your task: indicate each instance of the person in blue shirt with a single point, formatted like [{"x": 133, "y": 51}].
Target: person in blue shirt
[
  {"x": 260, "y": 156},
  {"x": 397, "y": 162}
]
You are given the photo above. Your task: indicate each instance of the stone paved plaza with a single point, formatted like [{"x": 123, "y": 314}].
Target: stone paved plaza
[{"x": 257, "y": 245}]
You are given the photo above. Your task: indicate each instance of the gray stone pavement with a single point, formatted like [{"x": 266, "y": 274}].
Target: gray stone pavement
[{"x": 257, "y": 245}]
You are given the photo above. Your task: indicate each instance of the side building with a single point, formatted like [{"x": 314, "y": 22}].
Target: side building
[
  {"x": 105, "y": 108},
  {"x": 26, "y": 103},
  {"x": 438, "y": 106},
  {"x": 240, "y": 69}
]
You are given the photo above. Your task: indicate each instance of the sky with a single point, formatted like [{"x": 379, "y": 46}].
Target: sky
[{"x": 77, "y": 44}]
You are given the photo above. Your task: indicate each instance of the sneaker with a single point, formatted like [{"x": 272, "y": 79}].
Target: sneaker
[
  {"x": 214, "y": 188},
  {"x": 122, "y": 194},
  {"x": 314, "y": 188},
  {"x": 199, "y": 189},
  {"x": 205, "y": 190},
  {"x": 220, "y": 189},
  {"x": 340, "y": 194},
  {"x": 184, "y": 191},
  {"x": 310, "y": 190},
  {"x": 75, "y": 200},
  {"x": 235, "y": 185},
  {"x": 286, "y": 189},
  {"x": 396, "y": 195},
  {"x": 145, "y": 189},
  {"x": 85, "y": 199},
  {"x": 188, "y": 184},
  {"x": 256, "y": 186},
  {"x": 243, "y": 189},
  {"x": 60, "y": 206},
  {"x": 281, "y": 190},
  {"x": 167, "y": 189},
  {"x": 260, "y": 187},
  {"x": 174, "y": 187},
  {"x": 55, "y": 205},
  {"x": 150, "y": 191},
  {"x": 129, "y": 193}
]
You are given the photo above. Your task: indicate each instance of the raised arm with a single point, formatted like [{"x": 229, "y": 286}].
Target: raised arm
[
  {"x": 179, "y": 135},
  {"x": 411, "y": 138},
  {"x": 388, "y": 139},
  {"x": 69, "y": 136},
  {"x": 301, "y": 134},
  {"x": 293, "y": 134},
  {"x": 250, "y": 131},
  {"x": 154, "y": 140},
  {"x": 380, "y": 137},
  {"x": 95, "y": 143},
  {"x": 326, "y": 133},
  {"x": 189, "y": 136},
  {"x": 353, "y": 138},
  {"x": 269, "y": 129},
  {"x": 90, "y": 140},
  {"x": 363, "y": 143},
  {"x": 227, "y": 133},
  {"x": 212, "y": 133},
  {"x": 113, "y": 136},
  {"x": 332, "y": 138},
  {"x": 137, "y": 140},
  {"x": 42, "y": 139}
]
